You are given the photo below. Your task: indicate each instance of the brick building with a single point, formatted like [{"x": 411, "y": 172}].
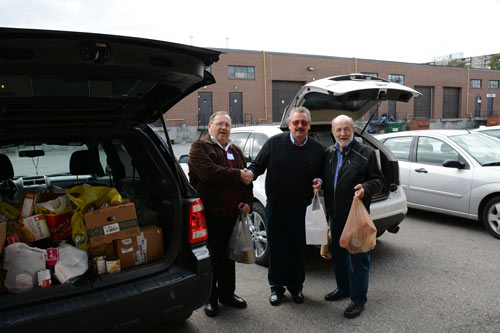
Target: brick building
[{"x": 256, "y": 86}]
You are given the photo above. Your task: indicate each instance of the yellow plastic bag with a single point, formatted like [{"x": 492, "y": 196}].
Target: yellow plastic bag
[
  {"x": 359, "y": 234},
  {"x": 86, "y": 198}
]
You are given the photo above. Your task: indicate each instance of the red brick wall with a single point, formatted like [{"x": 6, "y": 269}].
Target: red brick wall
[{"x": 290, "y": 67}]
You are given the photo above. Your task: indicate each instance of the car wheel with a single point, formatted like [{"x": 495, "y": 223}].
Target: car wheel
[
  {"x": 259, "y": 234},
  {"x": 491, "y": 216}
]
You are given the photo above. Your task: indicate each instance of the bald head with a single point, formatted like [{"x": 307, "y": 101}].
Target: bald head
[{"x": 343, "y": 130}]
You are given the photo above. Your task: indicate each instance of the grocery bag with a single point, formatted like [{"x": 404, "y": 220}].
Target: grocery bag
[
  {"x": 359, "y": 234},
  {"x": 240, "y": 246},
  {"x": 316, "y": 224}
]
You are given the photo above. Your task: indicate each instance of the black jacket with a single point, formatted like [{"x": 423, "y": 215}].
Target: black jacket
[
  {"x": 359, "y": 166},
  {"x": 290, "y": 170}
]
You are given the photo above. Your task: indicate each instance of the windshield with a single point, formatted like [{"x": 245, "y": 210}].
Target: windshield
[
  {"x": 41, "y": 159},
  {"x": 483, "y": 148}
]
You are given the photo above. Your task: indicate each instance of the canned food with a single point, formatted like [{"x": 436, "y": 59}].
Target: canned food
[
  {"x": 44, "y": 279},
  {"x": 99, "y": 265},
  {"x": 113, "y": 265}
]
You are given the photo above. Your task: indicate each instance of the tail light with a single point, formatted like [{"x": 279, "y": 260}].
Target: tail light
[{"x": 198, "y": 231}]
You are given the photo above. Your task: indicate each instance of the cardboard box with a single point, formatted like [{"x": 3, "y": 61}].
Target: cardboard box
[
  {"x": 28, "y": 206},
  {"x": 114, "y": 222},
  {"x": 141, "y": 249},
  {"x": 59, "y": 225},
  {"x": 105, "y": 249},
  {"x": 35, "y": 227}
]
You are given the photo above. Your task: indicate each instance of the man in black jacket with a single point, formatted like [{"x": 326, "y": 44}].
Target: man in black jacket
[
  {"x": 350, "y": 169},
  {"x": 293, "y": 161}
]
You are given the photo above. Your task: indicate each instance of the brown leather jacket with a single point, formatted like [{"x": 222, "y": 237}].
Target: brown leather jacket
[{"x": 210, "y": 176}]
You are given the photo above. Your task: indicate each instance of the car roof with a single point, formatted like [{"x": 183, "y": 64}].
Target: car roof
[
  {"x": 486, "y": 128},
  {"x": 266, "y": 129},
  {"x": 436, "y": 132}
]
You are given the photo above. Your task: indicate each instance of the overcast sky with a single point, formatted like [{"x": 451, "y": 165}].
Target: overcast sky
[{"x": 394, "y": 30}]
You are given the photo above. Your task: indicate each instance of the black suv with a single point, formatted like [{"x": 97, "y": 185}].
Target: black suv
[{"x": 76, "y": 108}]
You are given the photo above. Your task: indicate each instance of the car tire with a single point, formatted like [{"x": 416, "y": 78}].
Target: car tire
[
  {"x": 491, "y": 216},
  {"x": 259, "y": 234}
]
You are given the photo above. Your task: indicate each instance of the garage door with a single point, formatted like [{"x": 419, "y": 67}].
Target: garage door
[
  {"x": 283, "y": 92},
  {"x": 423, "y": 104},
  {"x": 450, "y": 102}
]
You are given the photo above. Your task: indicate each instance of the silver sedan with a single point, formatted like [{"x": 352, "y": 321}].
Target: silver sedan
[{"x": 455, "y": 172}]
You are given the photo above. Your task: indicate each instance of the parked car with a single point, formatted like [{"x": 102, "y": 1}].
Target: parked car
[
  {"x": 353, "y": 95},
  {"x": 74, "y": 109},
  {"x": 454, "y": 172},
  {"x": 489, "y": 130}
]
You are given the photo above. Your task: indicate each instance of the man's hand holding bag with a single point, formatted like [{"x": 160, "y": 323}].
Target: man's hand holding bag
[{"x": 359, "y": 234}]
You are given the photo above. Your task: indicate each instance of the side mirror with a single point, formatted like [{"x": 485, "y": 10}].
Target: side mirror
[
  {"x": 453, "y": 164},
  {"x": 183, "y": 158}
]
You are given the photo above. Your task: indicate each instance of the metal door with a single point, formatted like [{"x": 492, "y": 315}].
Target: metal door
[
  {"x": 283, "y": 92},
  {"x": 490, "y": 105},
  {"x": 236, "y": 107},
  {"x": 450, "y": 102},
  {"x": 423, "y": 104},
  {"x": 477, "y": 108},
  {"x": 204, "y": 108}
]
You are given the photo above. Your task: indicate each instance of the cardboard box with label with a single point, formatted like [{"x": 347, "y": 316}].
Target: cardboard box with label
[
  {"x": 34, "y": 227},
  {"x": 141, "y": 249},
  {"x": 114, "y": 222}
]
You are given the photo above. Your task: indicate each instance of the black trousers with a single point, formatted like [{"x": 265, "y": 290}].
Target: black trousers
[
  {"x": 286, "y": 238},
  {"x": 224, "y": 274}
]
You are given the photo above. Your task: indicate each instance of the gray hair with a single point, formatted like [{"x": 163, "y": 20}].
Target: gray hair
[
  {"x": 218, "y": 113},
  {"x": 300, "y": 109},
  {"x": 343, "y": 117}
]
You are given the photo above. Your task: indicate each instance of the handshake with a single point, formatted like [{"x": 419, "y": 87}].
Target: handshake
[{"x": 246, "y": 176}]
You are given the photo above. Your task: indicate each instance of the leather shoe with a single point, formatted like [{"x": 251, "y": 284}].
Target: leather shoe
[
  {"x": 336, "y": 295},
  {"x": 298, "y": 297},
  {"x": 353, "y": 310},
  {"x": 275, "y": 298},
  {"x": 211, "y": 309},
  {"x": 234, "y": 301}
]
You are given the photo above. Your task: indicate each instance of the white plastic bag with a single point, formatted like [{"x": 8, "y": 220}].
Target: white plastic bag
[
  {"x": 316, "y": 223},
  {"x": 22, "y": 263},
  {"x": 72, "y": 263},
  {"x": 240, "y": 246}
]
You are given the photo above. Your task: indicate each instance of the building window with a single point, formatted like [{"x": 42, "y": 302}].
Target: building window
[
  {"x": 241, "y": 72},
  {"x": 493, "y": 84},
  {"x": 396, "y": 78},
  {"x": 475, "y": 84},
  {"x": 371, "y": 74}
]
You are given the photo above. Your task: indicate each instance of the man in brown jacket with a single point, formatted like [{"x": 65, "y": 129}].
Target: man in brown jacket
[{"x": 215, "y": 170}]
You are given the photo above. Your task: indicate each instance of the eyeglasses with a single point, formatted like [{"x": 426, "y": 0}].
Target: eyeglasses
[
  {"x": 223, "y": 124},
  {"x": 303, "y": 122}
]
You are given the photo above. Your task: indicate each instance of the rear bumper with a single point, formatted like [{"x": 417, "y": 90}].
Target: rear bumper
[
  {"x": 145, "y": 302},
  {"x": 390, "y": 211}
]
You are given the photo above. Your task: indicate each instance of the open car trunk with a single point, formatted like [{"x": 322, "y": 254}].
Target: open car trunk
[{"x": 49, "y": 163}]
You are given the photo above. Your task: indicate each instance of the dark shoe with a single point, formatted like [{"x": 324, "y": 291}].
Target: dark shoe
[
  {"x": 298, "y": 297},
  {"x": 211, "y": 309},
  {"x": 275, "y": 298},
  {"x": 336, "y": 295},
  {"x": 353, "y": 310},
  {"x": 234, "y": 301}
]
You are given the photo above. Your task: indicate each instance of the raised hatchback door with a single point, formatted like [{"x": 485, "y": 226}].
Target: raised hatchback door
[{"x": 352, "y": 95}]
